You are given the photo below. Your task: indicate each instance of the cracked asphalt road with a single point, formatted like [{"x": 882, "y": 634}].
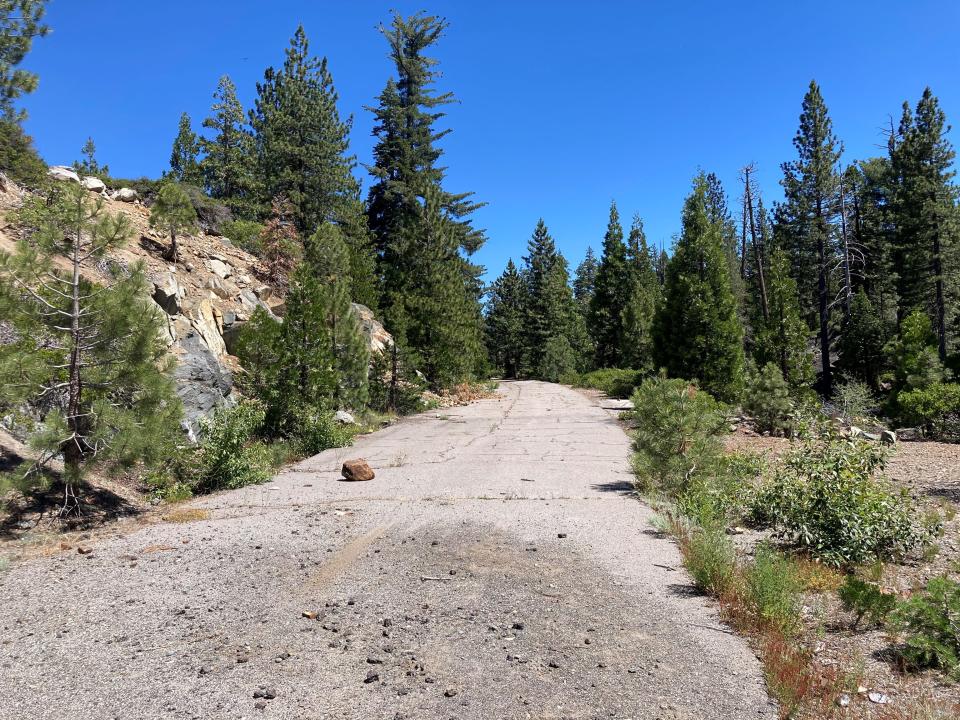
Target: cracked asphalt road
[{"x": 495, "y": 568}]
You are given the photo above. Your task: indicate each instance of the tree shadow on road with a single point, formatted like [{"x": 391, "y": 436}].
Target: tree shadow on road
[{"x": 622, "y": 487}]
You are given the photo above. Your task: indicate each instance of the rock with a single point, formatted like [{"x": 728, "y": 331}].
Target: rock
[
  {"x": 223, "y": 289},
  {"x": 127, "y": 195},
  {"x": 62, "y": 172},
  {"x": 168, "y": 293},
  {"x": 450, "y": 692},
  {"x": 202, "y": 383},
  {"x": 220, "y": 268},
  {"x": 372, "y": 676},
  {"x": 879, "y": 698},
  {"x": 94, "y": 184},
  {"x": 357, "y": 470},
  {"x": 888, "y": 437},
  {"x": 84, "y": 550},
  {"x": 378, "y": 339},
  {"x": 309, "y": 614},
  {"x": 344, "y": 418},
  {"x": 260, "y": 704},
  {"x": 203, "y": 320}
]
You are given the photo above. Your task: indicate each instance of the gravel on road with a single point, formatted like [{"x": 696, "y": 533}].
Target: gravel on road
[{"x": 496, "y": 567}]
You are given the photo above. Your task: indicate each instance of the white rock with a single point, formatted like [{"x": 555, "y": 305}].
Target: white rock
[
  {"x": 125, "y": 195},
  {"x": 94, "y": 184},
  {"x": 62, "y": 172},
  {"x": 220, "y": 268},
  {"x": 344, "y": 418}
]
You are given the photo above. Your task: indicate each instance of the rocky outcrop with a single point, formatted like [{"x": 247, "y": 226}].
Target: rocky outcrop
[
  {"x": 62, "y": 172},
  {"x": 94, "y": 184},
  {"x": 206, "y": 297},
  {"x": 378, "y": 339}
]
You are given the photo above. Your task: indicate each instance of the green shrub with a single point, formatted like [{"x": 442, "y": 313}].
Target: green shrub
[
  {"x": 853, "y": 400},
  {"x": 317, "y": 431},
  {"x": 557, "y": 360},
  {"x": 767, "y": 400},
  {"x": 245, "y": 234},
  {"x": 935, "y": 408},
  {"x": 677, "y": 436},
  {"x": 930, "y": 620},
  {"x": 613, "y": 382},
  {"x": 711, "y": 559},
  {"x": 18, "y": 158},
  {"x": 865, "y": 599},
  {"x": 772, "y": 589},
  {"x": 403, "y": 397},
  {"x": 228, "y": 456},
  {"x": 825, "y": 498}
]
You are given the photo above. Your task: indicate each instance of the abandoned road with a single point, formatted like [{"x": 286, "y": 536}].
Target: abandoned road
[{"x": 496, "y": 567}]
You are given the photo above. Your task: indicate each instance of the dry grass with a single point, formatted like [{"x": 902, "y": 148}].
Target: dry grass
[
  {"x": 817, "y": 577},
  {"x": 185, "y": 515}
]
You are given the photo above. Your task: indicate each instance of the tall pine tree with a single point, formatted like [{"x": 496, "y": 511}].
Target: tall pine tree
[
  {"x": 924, "y": 212},
  {"x": 556, "y": 336},
  {"x": 610, "y": 296},
  {"x": 302, "y": 144},
  {"x": 506, "y": 322},
  {"x": 696, "y": 329},
  {"x": 184, "y": 166},
  {"x": 430, "y": 292},
  {"x": 228, "y": 160},
  {"x": 637, "y": 315},
  {"x": 806, "y": 219}
]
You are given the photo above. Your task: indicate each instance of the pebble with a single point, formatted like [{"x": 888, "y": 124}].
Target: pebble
[{"x": 372, "y": 676}]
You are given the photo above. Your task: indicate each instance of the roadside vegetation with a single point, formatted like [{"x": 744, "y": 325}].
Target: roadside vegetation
[{"x": 772, "y": 538}]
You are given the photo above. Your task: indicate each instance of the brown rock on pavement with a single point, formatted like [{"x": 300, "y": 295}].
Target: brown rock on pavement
[{"x": 357, "y": 470}]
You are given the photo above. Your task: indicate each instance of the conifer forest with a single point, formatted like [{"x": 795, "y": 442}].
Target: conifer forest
[{"x": 278, "y": 439}]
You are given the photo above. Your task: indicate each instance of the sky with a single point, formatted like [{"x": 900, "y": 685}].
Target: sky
[{"x": 562, "y": 106}]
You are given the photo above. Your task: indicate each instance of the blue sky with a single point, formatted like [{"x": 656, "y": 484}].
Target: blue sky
[{"x": 563, "y": 106}]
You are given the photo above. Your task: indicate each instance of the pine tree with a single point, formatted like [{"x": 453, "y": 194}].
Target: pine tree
[
  {"x": 611, "y": 295},
  {"x": 302, "y": 144},
  {"x": 584, "y": 280},
  {"x": 551, "y": 311},
  {"x": 281, "y": 245},
  {"x": 782, "y": 337},
  {"x": 696, "y": 330},
  {"x": 506, "y": 322},
  {"x": 871, "y": 190},
  {"x": 20, "y": 22},
  {"x": 718, "y": 212},
  {"x": 862, "y": 341},
  {"x": 805, "y": 221},
  {"x": 637, "y": 315},
  {"x": 229, "y": 156},
  {"x": 430, "y": 292},
  {"x": 89, "y": 164},
  {"x": 184, "y": 166},
  {"x": 173, "y": 212},
  {"x": 328, "y": 256},
  {"x": 924, "y": 211},
  {"x": 89, "y": 360}
]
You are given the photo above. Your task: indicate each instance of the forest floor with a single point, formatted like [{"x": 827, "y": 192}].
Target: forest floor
[
  {"x": 497, "y": 566},
  {"x": 867, "y": 655}
]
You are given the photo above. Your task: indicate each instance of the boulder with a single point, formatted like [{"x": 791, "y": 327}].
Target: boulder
[
  {"x": 220, "y": 268},
  {"x": 125, "y": 195},
  {"x": 203, "y": 319},
  {"x": 94, "y": 184},
  {"x": 168, "y": 294},
  {"x": 223, "y": 289},
  {"x": 357, "y": 470},
  {"x": 378, "y": 339},
  {"x": 62, "y": 172},
  {"x": 202, "y": 383},
  {"x": 344, "y": 418}
]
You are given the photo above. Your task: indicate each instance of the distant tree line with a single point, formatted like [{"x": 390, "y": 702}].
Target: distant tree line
[{"x": 854, "y": 274}]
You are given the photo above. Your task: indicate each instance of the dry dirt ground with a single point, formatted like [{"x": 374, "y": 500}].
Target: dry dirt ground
[
  {"x": 931, "y": 472},
  {"x": 495, "y": 568}
]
